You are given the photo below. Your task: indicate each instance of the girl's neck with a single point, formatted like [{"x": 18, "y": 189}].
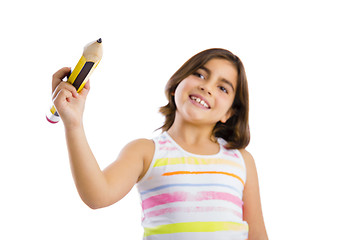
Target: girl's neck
[
  {"x": 194, "y": 140},
  {"x": 190, "y": 134}
]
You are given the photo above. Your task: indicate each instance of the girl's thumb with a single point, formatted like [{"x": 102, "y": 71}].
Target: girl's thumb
[{"x": 85, "y": 91}]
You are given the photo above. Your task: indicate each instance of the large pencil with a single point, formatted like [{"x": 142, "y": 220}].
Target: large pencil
[{"x": 91, "y": 57}]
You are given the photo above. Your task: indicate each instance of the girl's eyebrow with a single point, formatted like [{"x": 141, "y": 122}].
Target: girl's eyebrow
[
  {"x": 222, "y": 80},
  {"x": 228, "y": 83},
  {"x": 205, "y": 69}
]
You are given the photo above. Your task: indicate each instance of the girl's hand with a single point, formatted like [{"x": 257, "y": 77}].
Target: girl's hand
[{"x": 68, "y": 103}]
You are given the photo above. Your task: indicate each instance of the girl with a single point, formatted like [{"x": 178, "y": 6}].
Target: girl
[{"x": 196, "y": 180}]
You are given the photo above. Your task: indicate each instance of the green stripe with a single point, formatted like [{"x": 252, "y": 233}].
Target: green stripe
[{"x": 195, "y": 227}]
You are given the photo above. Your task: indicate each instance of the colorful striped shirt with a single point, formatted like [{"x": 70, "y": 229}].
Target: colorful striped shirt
[{"x": 189, "y": 196}]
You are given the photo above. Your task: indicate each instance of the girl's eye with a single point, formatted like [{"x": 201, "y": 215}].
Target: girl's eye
[
  {"x": 223, "y": 89},
  {"x": 199, "y": 75}
]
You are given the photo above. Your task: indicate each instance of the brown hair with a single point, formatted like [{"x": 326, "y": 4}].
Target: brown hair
[{"x": 236, "y": 129}]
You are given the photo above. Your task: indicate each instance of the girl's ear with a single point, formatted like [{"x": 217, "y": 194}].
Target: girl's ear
[{"x": 227, "y": 115}]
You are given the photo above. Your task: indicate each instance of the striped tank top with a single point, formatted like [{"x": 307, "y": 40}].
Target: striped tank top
[{"x": 189, "y": 196}]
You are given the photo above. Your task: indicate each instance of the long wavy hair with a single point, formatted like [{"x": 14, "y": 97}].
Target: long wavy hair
[{"x": 236, "y": 129}]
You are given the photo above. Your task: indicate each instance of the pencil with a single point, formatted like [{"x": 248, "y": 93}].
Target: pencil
[{"x": 89, "y": 60}]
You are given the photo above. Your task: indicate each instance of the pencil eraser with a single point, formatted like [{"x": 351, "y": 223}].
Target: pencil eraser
[{"x": 53, "y": 119}]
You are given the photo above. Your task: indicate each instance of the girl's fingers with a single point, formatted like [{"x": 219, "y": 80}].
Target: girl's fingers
[
  {"x": 84, "y": 92},
  {"x": 67, "y": 86},
  {"x": 59, "y": 76},
  {"x": 62, "y": 96},
  {"x": 87, "y": 85}
]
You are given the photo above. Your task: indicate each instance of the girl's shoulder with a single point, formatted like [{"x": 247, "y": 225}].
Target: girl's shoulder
[
  {"x": 142, "y": 146},
  {"x": 249, "y": 162},
  {"x": 246, "y": 155},
  {"x": 144, "y": 149},
  {"x": 143, "y": 141}
]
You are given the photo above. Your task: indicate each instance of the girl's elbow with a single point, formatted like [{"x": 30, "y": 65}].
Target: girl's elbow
[
  {"x": 94, "y": 207},
  {"x": 99, "y": 202},
  {"x": 94, "y": 202}
]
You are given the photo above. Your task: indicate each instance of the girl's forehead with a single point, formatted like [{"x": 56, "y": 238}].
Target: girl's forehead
[{"x": 222, "y": 68}]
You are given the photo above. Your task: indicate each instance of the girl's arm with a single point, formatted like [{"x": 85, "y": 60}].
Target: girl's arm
[
  {"x": 252, "y": 204},
  {"x": 96, "y": 188}
]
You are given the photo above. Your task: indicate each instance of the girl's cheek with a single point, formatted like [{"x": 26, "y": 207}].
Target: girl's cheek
[{"x": 226, "y": 101}]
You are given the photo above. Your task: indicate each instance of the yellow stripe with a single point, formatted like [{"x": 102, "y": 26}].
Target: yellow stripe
[
  {"x": 96, "y": 63},
  {"x": 195, "y": 161},
  {"x": 77, "y": 70},
  {"x": 196, "y": 227},
  {"x": 53, "y": 110}
]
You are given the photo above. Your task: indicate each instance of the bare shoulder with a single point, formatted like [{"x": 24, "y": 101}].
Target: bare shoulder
[
  {"x": 251, "y": 172},
  {"x": 248, "y": 158},
  {"x": 144, "y": 149},
  {"x": 246, "y": 155},
  {"x": 123, "y": 173},
  {"x": 141, "y": 144},
  {"x": 131, "y": 162}
]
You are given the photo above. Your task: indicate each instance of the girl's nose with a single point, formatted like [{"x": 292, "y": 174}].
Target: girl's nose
[{"x": 205, "y": 89}]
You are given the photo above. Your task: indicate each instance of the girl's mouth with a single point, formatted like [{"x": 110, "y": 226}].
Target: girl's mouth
[{"x": 196, "y": 99}]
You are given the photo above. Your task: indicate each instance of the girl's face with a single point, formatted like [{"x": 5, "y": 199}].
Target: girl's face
[{"x": 206, "y": 96}]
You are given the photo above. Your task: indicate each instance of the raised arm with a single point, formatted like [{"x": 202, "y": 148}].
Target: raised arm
[{"x": 96, "y": 188}]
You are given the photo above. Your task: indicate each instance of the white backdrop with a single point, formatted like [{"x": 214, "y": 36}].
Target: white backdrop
[{"x": 302, "y": 62}]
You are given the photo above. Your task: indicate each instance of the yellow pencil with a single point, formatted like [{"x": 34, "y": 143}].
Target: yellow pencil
[{"x": 91, "y": 57}]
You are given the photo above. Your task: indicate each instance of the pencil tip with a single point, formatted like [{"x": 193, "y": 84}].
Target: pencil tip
[{"x": 99, "y": 40}]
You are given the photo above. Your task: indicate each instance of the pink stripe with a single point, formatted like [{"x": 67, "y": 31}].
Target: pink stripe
[
  {"x": 163, "y": 142},
  {"x": 50, "y": 120},
  {"x": 231, "y": 154},
  {"x": 190, "y": 210},
  {"x": 185, "y": 196}
]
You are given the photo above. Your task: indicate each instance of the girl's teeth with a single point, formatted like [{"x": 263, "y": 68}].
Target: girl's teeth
[{"x": 198, "y": 100}]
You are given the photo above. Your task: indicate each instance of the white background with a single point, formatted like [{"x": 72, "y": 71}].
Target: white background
[{"x": 302, "y": 60}]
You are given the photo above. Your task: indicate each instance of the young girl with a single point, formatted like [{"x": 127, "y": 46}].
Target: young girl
[{"x": 196, "y": 180}]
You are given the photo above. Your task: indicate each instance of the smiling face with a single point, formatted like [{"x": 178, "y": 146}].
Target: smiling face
[{"x": 206, "y": 96}]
